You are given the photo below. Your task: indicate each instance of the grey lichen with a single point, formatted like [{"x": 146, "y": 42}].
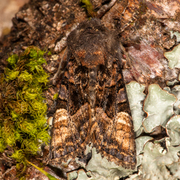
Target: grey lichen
[
  {"x": 135, "y": 97},
  {"x": 173, "y": 57},
  {"x": 159, "y": 107},
  {"x": 100, "y": 168}
]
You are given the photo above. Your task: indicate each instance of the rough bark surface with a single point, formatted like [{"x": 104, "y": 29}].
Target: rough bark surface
[{"x": 143, "y": 27}]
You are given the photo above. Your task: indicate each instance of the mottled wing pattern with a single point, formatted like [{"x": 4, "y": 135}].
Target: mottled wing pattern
[
  {"x": 68, "y": 134},
  {"x": 93, "y": 108}
]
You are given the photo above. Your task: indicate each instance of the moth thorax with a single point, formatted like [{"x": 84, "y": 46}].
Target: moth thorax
[{"x": 92, "y": 86}]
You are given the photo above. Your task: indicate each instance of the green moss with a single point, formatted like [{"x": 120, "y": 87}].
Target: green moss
[
  {"x": 49, "y": 53},
  {"x": 55, "y": 96},
  {"x": 41, "y": 170},
  {"x": 13, "y": 60},
  {"x": 89, "y": 7},
  {"x": 22, "y": 109},
  {"x": 11, "y": 74}
]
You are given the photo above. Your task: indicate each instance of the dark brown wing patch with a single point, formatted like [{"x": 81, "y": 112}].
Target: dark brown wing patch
[{"x": 96, "y": 111}]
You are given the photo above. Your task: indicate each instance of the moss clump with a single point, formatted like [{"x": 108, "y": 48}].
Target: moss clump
[
  {"x": 89, "y": 7},
  {"x": 55, "y": 96},
  {"x": 22, "y": 108}
]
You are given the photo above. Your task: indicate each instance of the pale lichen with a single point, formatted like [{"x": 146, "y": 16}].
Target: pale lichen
[
  {"x": 159, "y": 107},
  {"x": 173, "y": 57},
  {"x": 135, "y": 97}
]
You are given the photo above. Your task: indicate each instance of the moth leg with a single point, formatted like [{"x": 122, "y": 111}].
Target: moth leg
[
  {"x": 130, "y": 61},
  {"x": 105, "y": 8},
  {"x": 61, "y": 68}
]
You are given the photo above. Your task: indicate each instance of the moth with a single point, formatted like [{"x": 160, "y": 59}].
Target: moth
[{"x": 93, "y": 108}]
